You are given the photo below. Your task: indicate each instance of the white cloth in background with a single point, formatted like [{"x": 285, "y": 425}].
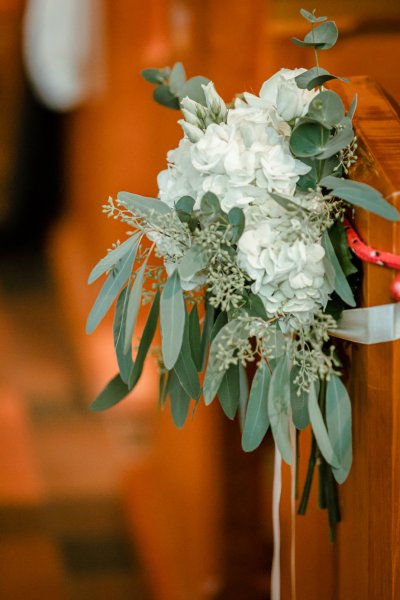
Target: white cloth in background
[{"x": 63, "y": 50}]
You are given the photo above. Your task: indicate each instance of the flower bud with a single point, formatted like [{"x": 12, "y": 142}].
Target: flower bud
[
  {"x": 193, "y": 133},
  {"x": 215, "y": 104}
]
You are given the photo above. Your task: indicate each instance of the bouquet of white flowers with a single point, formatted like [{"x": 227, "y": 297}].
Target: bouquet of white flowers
[{"x": 249, "y": 225}]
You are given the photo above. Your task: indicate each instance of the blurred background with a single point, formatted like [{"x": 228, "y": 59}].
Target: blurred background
[{"x": 122, "y": 505}]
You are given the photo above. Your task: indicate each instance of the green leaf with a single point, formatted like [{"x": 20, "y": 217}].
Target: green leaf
[
  {"x": 114, "y": 282},
  {"x": 185, "y": 367},
  {"x": 124, "y": 359},
  {"x": 337, "y": 234},
  {"x": 143, "y": 206},
  {"x": 179, "y": 400},
  {"x": 163, "y": 387},
  {"x": 342, "y": 138},
  {"x": 315, "y": 77},
  {"x": 192, "y": 88},
  {"x": 193, "y": 261},
  {"x": 338, "y": 419},
  {"x": 287, "y": 202},
  {"x": 322, "y": 37},
  {"x": 185, "y": 204},
  {"x": 342, "y": 287},
  {"x": 319, "y": 169},
  {"x": 319, "y": 429},
  {"x": 278, "y": 407},
  {"x": 163, "y": 95},
  {"x": 113, "y": 393},
  {"x": 219, "y": 323},
  {"x": 172, "y": 313},
  {"x": 310, "y": 17},
  {"x": 327, "y": 108},
  {"x": 210, "y": 204},
  {"x": 156, "y": 75},
  {"x": 229, "y": 391},
  {"x": 145, "y": 342},
  {"x": 177, "y": 78},
  {"x": 352, "y": 107},
  {"x": 206, "y": 333},
  {"x": 255, "y": 306},
  {"x": 133, "y": 307},
  {"x": 112, "y": 258},
  {"x": 244, "y": 394},
  {"x": 256, "y": 422},
  {"x": 362, "y": 195},
  {"x": 236, "y": 219},
  {"x": 309, "y": 139},
  {"x": 194, "y": 336},
  {"x": 299, "y": 402}
]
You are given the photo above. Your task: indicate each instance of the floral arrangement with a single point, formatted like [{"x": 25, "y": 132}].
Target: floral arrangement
[{"x": 255, "y": 265}]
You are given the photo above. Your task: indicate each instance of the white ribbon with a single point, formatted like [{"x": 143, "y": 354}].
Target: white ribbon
[
  {"x": 276, "y": 498},
  {"x": 372, "y": 325}
]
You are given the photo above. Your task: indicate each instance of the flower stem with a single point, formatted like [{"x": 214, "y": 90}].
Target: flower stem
[{"x": 309, "y": 477}]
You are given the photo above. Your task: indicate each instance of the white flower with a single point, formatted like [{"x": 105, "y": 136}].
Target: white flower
[
  {"x": 209, "y": 152},
  {"x": 280, "y": 92},
  {"x": 215, "y": 104}
]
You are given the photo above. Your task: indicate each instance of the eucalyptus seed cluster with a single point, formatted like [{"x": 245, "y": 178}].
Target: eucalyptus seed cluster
[
  {"x": 348, "y": 156},
  {"x": 312, "y": 354},
  {"x": 225, "y": 281}
]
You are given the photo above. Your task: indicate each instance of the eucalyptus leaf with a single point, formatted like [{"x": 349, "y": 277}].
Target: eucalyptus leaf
[
  {"x": 163, "y": 387},
  {"x": 143, "y": 206},
  {"x": 327, "y": 108},
  {"x": 192, "y": 88},
  {"x": 342, "y": 287},
  {"x": 309, "y": 139},
  {"x": 179, "y": 400},
  {"x": 229, "y": 391},
  {"x": 145, "y": 342},
  {"x": 113, "y": 393},
  {"x": 185, "y": 367},
  {"x": 172, "y": 318},
  {"x": 342, "y": 138},
  {"x": 279, "y": 406},
  {"x": 156, "y": 76},
  {"x": 209, "y": 316},
  {"x": 315, "y": 77},
  {"x": 311, "y": 18},
  {"x": 112, "y": 258},
  {"x": 319, "y": 170},
  {"x": 163, "y": 95},
  {"x": 193, "y": 261},
  {"x": 244, "y": 394},
  {"x": 185, "y": 204},
  {"x": 256, "y": 422},
  {"x": 177, "y": 78},
  {"x": 362, "y": 195},
  {"x": 337, "y": 234},
  {"x": 299, "y": 402},
  {"x": 133, "y": 307},
  {"x": 114, "y": 282},
  {"x": 322, "y": 37},
  {"x": 124, "y": 359},
  {"x": 194, "y": 336},
  {"x": 338, "y": 420},
  {"x": 352, "y": 107},
  {"x": 210, "y": 204},
  {"x": 219, "y": 323},
  {"x": 237, "y": 220},
  {"x": 255, "y": 306},
  {"x": 319, "y": 429}
]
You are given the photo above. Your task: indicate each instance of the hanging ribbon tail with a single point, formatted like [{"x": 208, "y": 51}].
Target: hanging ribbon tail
[
  {"x": 293, "y": 468},
  {"x": 372, "y": 325},
  {"x": 276, "y": 499}
]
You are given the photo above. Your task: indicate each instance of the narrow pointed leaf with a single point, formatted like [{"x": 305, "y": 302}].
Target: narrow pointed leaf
[
  {"x": 352, "y": 107},
  {"x": 229, "y": 391},
  {"x": 124, "y": 359},
  {"x": 114, "y": 282},
  {"x": 113, "y": 393},
  {"x": 244, "y": 394},
  {"x": 185, "y": 367},
  {"x": 133, "y": 307},
  {"x": 179, "y": 400},
  {"x": 338, "y": 419},
  {"x": 206, "y": 333},
  {"x": 256, "y": 422},
  {"x": 193, "y": 261},
  {"x": 279, "y": 406},
  {"x": 299, "y": 403},
  {"x": 342, "y": 287},
  {"x": 142, "y": 205},
  {"x": 361, "y": 194},
  {"x": 145, "y": 342},
  {"x": 112, "y": 258},
  {"x": 194, "y": 336},
  {"x": 319, "y": 429},
  {"x": 177, "y": 78},
  {"x": 172, "y": 318}
]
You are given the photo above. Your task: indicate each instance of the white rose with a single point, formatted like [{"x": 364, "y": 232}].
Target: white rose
[{"x": 208, "y": 154}]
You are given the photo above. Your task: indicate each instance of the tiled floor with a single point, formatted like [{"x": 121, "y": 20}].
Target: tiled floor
[{"x": 62, "y": 529}]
